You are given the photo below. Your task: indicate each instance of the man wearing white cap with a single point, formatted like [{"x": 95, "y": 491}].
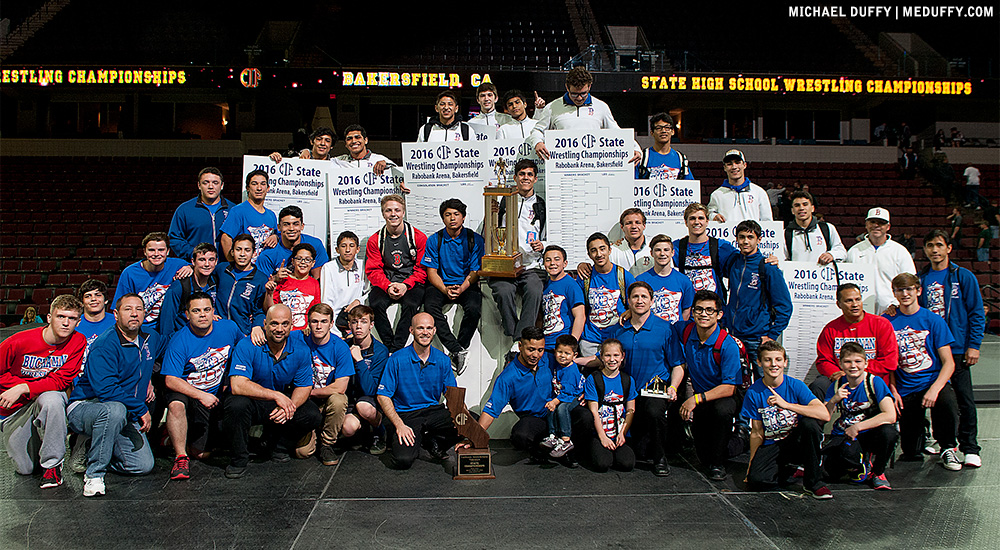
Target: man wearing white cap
[
  {"x": 738, "y": 199},
  {"x": 890, "y": 258}
]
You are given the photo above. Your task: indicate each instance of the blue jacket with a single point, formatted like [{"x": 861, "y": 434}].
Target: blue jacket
[
  {"x": 240, "y": 298},
  {"x": 119, "y": 370},
  {"x": 966, "y": 319},
  {"x": 748, "y": 310},
  {"x": 193, "y": 224},
  {"x": 172, "y": 313}
]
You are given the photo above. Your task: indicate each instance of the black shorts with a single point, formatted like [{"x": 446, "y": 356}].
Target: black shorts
[
  {"x": 200, "y": 419},
  {"x": 371, "y": 400}
]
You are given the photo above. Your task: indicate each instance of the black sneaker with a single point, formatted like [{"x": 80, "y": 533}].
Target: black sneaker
[
  {"x": 437, "y": 451},
  {"x": 717, "y": 473},
  {"x": 327, "y": 456},
  {"x": 661, "y": 468},
  {"x": 51, "y": 477},
  {"x": 280, "y": 457},
  {"x": 235, "y": 472},
  {"x": 378, "y": 445}
]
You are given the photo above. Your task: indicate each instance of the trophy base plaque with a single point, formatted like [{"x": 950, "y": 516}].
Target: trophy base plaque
[
  {"x": 474, "y": 464},
  {"x": 501, "y": 266}
]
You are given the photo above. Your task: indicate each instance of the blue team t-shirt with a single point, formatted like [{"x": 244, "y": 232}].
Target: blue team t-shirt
[
  {"x": 606, "y": 302},
  {"x": 665, "y": 167},
  {"x": 91, "y": 331},
  {"x": 671, "y": 294},
  {"x": 699, "y": 257},
  {"x": 244, "y": 218},
  {"x": 202, "y": 360},
  {"x": 269, "y": 260},
  {"x": 778, "y": 422},
  {"x": 934, "y": 291},
  {"x": 558, "y": 300},
  {"x": 330, "y": 361},
  {"x": 152, "y": 287},
  {"x": 613, "y": 414},
  {"x": 857, "y": 406},
  {"x": 567, "y": 382},
  {"x": 918, "y": 336}
]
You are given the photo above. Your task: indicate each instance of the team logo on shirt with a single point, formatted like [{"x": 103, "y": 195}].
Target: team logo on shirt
[
  {"x": 778, "y": 422},
  {"x": 298, "y": 302},
  {"x": 609, "y": 412},
  {"x": 913, "y": 356},
  {"x": 754, "y": 281},
  {"x": 557, "y": 386},
  {"x": 397, "y": 259},
  {"x": 701, "y": 279},
  {"x": 152, "y": 299},
  {"x": 663, "y": 172},
  {"x": 208, "y": 368},
  {"x": 666, "y": 305},
  {"x": 259, "y": 234},
  {"x": 935, "y": 298},
  {"x": 552, "y": 305},
  {"x": 604, "y": 306},
  {"x": 36, "y": 366},
  {"x": 854, "y": 409},
  {"x": 321, "y": 371},
  {"x": 86, "y": 352},
  {"x": 867, "y": 342},
  {"x": 248, "y": 291}
]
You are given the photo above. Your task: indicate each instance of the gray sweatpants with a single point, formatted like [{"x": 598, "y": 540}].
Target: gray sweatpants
[{"x": 36, "y": 433}]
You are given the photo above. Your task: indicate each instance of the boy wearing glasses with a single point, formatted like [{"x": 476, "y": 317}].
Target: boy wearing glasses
[
  {"x": 661, "y": 162},
  {"x": 290, "y": 226},
  {"x": 299, "y": 291}
]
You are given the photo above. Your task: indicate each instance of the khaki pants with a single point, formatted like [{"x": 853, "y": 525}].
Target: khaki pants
[{"x": 334, "y": 409}]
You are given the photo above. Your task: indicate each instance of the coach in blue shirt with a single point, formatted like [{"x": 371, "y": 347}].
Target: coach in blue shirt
[
  {"x": 453, "y": 257},
  {"x": 270, "y": 384},
  {"x": 410, "y": 393}
]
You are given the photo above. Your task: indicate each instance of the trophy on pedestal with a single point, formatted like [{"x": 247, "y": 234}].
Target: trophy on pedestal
[
  {"x": 503, "y": 254},
  {"x": 474, "y": 462},
  {"x": 657, "y": 387}
]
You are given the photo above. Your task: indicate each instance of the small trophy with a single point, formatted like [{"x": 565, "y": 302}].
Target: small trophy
[
  {"x": 474, "y": 462},
  {"x": 656, "y": 387},
  {"x": 503, "y": 254}
]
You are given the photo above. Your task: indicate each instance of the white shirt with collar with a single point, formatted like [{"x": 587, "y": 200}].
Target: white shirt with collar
[
  {"x": 340, "y": 286},
  {"x": 563, "y": 114},
  {"x": 636, "y": 261},
  {"x": 365, "y": 163},
  {"x": 890, "y": 260}
]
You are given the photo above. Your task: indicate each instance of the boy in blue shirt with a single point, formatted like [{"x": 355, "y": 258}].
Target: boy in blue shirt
[
  {"x": 194, "y": 369},
  {"x": 567, "y": 385},
  {"x": 604, "y": 293},
  {"x": 452, "y": 258},
  {"x": 200, "y": 219},
  {"x": 661, "y": 162},
  {"x": 370, "y": 357},
  {"x": 786, "y": 422},
  {"x": 563, "y": 310},
  {"x": 673, "y": 292},
  {"x": 151, "y": 277},
  {"x": 278, "y": 260},
  {"x": 96, "y": 320},
  {"x": 252, "y": 217},
  {"x": 610, "y": 396},
  {"x": 864, "y": 435},
  {"x": 204, "y": 260},
  {"x": 921, "y": 381}
]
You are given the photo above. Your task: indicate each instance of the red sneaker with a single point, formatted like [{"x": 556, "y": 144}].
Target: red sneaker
[
  {"x": 52, "y": 477},
  {"x": 181, "y": 468}
]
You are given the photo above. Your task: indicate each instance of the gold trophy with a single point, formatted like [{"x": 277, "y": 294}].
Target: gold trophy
[
  {"x": 503, "y": 255},
  {"x": 657, "y": 387}
]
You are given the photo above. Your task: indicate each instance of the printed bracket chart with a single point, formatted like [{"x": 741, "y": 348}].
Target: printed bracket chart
[{"x": 435, "y": 172}]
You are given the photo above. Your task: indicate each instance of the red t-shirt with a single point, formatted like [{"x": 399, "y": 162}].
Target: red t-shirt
[
  {"x": 25, "y": 358},
  {"x": 873, "y": 332},
  {"x": 299, "y": 296}
]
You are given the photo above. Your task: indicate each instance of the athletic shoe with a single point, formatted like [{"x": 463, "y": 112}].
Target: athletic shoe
[
  {"x": 235, "y": 472},
  {"x": 93, "y": 486},
  {"x": 930, "y": 449},
  {"x": 879, "y": 482},
  {"x": 378, "y": 445},
  {"x": 181, "y": 468},
  {"x": 327, "y": 456},
  {"x": 972, "y": 460},
  {"x": 661, "y": 468},
  {"x": 864, "y": 473},
  {"x": 950, "y": 461},
  {"x": 550, "y": 442},
  {"x": 458, "y": 361},
  {"x": 280, "y": 457},
  {"x": 78, "y": 458},
  {"x": 561, "y": 448},
  {"x": 821, "y": 493},
  {"x": 52, "y": 477},
  {"x": 717, "y": 473}
]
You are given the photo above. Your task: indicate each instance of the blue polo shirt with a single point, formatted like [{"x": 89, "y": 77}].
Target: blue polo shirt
[
  {"x": 271, "y": 258},
  {"x": 292, "y": 368},
  {"x": 527, "y": 392},
  {"x": 919, "y": 336},
  {"x": 368, "y": 371},
  {"x": 704, "y": 372},
  {"x": 558, "y": 300},
  {"x": 202, "y": 360},
  {"x": 451, "y": 257},
  {"x": 651, "y": 350},
  {"x": 778, "y": 422},
  {"x": 413, "y": 384},
  {"x": 330, "y": 361},
  {"x": 671, "y": 294}
]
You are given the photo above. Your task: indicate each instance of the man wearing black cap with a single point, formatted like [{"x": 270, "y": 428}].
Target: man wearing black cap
[{"x": 738, "y": 199}]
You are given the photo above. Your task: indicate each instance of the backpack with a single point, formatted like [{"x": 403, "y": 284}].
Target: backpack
[
  {"x": 538, "y": 208},
  {"x": 429, "y": 127},
  {"x": 873, "y": 408},
  {"x": 745, "y": 367},
  {"x": 824, "y": 228},
  {"x": 598, "y": 377},
  {"x": 411, "y": 242},
  {"x": 213, "y": 280},
  {"x": 619, "y": 275},
  {"x": 713, "y": 252},
  {"x": 642, "y": 169}
]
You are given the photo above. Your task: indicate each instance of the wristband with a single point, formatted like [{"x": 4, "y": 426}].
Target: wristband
[
  {"x": 673, "y": 388},
  {"x": 704, "y": 398},
  {"x": 697, "y": 398}
]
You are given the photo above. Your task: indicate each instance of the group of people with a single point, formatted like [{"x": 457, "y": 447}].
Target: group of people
[{"x": 251, "y": 322}]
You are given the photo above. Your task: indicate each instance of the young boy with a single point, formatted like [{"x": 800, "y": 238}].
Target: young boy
[
  {"x": 864, "y": 436},
  {"x": 94, "y": 295},
  {"x": 567, "y": 385},
  {"x": 300, "y": 291},
  {"x": 921, "y": 381},
  {"x": 562, "y": 299},
  {"x": 786, "y": 427},
  {"x": 342, "y": 282},
  {"x": 610, "y": 396},
  {"x": 370, "y": 357}
]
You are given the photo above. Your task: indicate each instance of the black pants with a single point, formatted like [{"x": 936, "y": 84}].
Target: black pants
[
  {"x": 819, "y": 387},
  {"x": 428, "y": 424},
  {"x": 529, "y": 284},
  {"x": 409, "y": 305},
  {"x": 968, "y": 430},
  {"x": 471, "y": 302},
  {"x": 713, "y": 427},
  {"x": 801, "y": 446},
  {"x": 649, "y": 429},
  {"x": 241, "y": 412},
  {"x": 843, "y": 454},
  {"x": 944, "y": 419},
  {"x": 603, "y": 459},
  {"x": 201, "y": 421}
]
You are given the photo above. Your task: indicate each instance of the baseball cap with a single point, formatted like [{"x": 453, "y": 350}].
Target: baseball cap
[
  {"x": 878, "y": 214},
  {"x": 733, "y": 153}
]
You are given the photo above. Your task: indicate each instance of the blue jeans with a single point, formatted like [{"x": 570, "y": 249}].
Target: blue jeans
[
  {"x": 983, "y": 254},
  {"x": 559, "y": 422},
  {"x": 115, "y": 443}
]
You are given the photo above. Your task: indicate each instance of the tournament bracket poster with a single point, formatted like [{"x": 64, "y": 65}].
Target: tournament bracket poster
[
  {"x": 588, "y": 180},
  {"x": 295, "y": 182},
  {"x": 355, "y": 200},
  {"x": 813, "y": 288},
  {"x": 435, "y": 172}
]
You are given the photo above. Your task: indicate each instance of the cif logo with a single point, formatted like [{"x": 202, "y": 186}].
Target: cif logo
[
  {"x": 461, "y": 419},
  {"x": 661, "y": 189},
  {"x": 588, "y": 140},
  {"x": 285, "y": 169},
  {"x": 525, "y": 150},
  {"x": 828, "y": 273},
  {"x": 444, "y": 152},
  {"x": 250, "y": 78}
]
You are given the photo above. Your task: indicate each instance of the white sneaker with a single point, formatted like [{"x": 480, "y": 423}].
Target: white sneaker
[
  {"x": 550, "y": 442},
  {"x": 78, "y": 459},
  {"x": 950, "y": 461},
  {"x": 93, "y": 486},
  {"x": 973, "y": 460}
]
